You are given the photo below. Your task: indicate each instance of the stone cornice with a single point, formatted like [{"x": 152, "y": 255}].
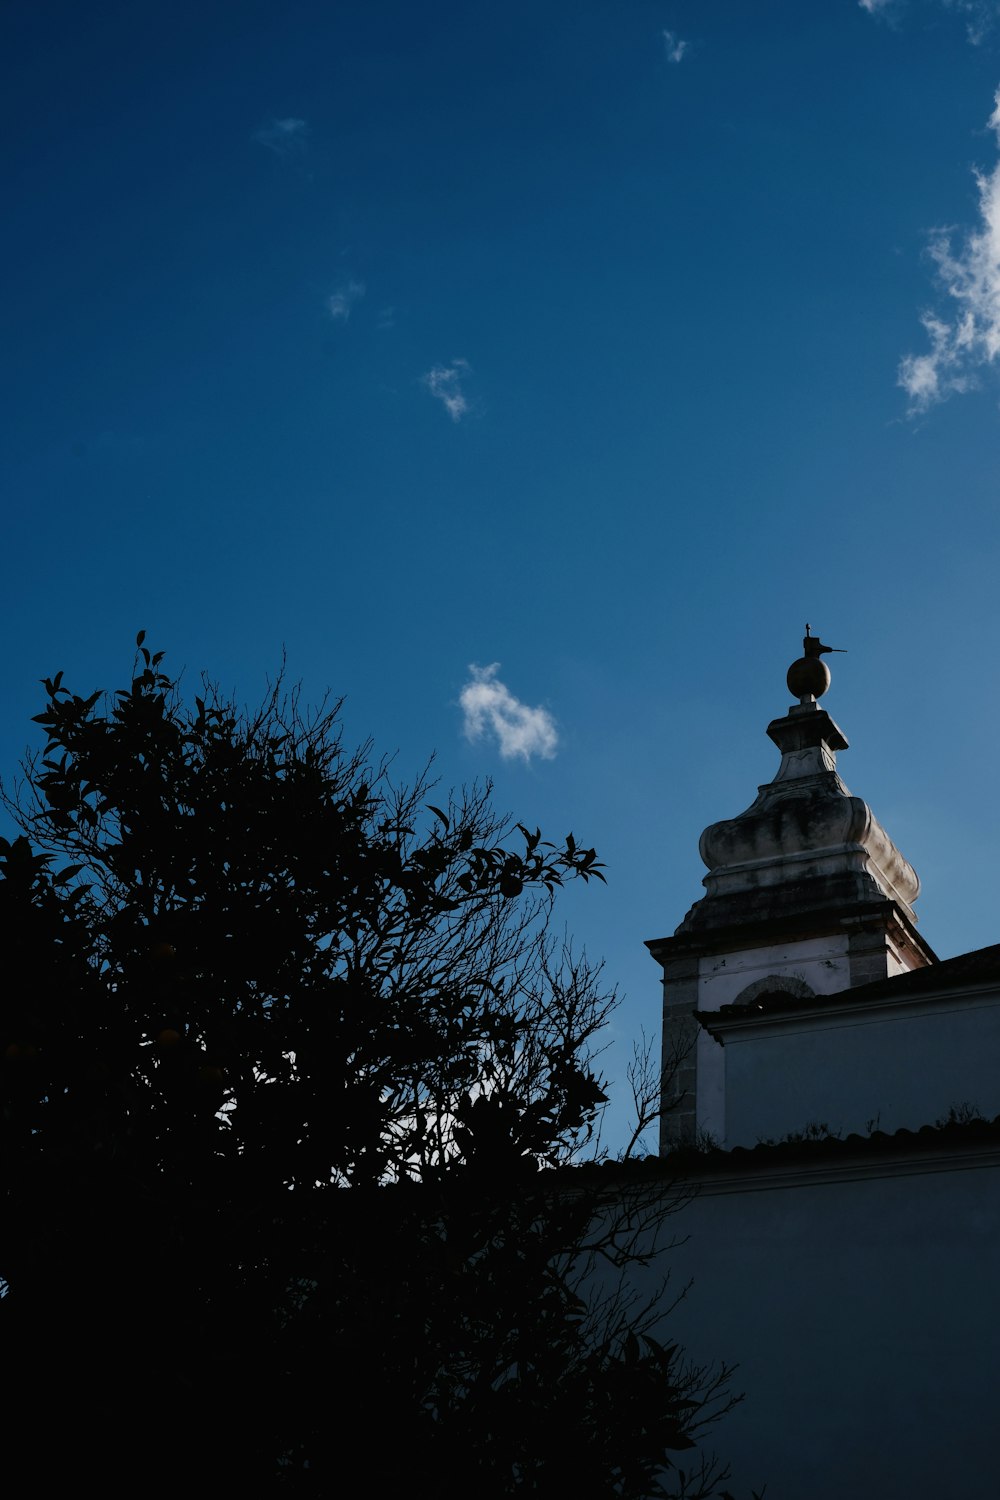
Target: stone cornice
[
  {"x": 796, "y": 927},
  {"x": 845, "y": 1007},
  {"x": 864, "y": 1166}
]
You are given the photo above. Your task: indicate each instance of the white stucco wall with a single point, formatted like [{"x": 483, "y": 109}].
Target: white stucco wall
[
  {"x": 821, "y": 963},
  {"x": 862, "y": 1313},
  {"x": 903, "y": 1068}
]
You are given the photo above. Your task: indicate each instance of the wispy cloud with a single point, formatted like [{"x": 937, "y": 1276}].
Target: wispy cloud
[
  {"x": 970, "y": 275},
  {"x": 285, "y": 137},
  {"x": 980, "y": 15},
  {"x": 445, "y": 383},
  {"x": 386, "y": 318},
  {"x": 490, "y": 708},
  {"x": 339, "y": 304},
  {"x": 675, "y": 48}
]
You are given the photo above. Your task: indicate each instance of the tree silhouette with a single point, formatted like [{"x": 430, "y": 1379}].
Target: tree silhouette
[{"x": 287, "y": 1055}]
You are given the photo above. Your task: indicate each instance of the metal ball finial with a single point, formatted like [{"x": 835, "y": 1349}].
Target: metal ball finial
[{"x": 809, "y": 677}]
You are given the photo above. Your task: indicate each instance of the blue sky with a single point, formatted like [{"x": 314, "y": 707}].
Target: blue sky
[{"x": 609, "y": 343}]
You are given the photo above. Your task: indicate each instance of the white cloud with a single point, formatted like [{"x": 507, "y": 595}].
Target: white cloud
[
  {"x": 980, "y": 15},
  {"x": 283, "y": 136},
  {"x": 970, "y": 275},
  {"x": 445, "y": 382},
  {"x": 676, "y": 49},
  {"x": 340, "y": 303},
  {"x": 993, "y": 123},
  {"x": 489, "y": 707}
]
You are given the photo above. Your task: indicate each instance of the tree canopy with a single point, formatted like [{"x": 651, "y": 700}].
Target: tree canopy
[{"x": 288, "y": 1053}]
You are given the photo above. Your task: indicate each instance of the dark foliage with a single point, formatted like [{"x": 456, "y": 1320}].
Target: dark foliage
[{"x": 287, "y": 1053}]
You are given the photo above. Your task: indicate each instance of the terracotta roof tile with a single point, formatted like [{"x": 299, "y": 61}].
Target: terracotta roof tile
[{"x": 688, "y": 1162}]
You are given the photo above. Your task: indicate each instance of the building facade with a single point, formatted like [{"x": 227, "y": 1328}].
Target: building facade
[{"x": 832, "y": 1098}]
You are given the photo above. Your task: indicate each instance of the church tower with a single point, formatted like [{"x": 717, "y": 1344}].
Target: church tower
[{"x": 806, "y": 895}]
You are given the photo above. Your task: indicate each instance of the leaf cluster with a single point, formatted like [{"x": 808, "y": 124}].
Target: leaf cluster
[{"x": 285, "y": 1054}]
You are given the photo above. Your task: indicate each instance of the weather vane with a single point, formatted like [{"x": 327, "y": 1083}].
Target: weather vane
[{"x": 809, "y": 677}]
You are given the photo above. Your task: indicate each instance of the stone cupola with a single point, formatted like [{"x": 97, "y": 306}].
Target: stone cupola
[{"x": 805, "y": 893}]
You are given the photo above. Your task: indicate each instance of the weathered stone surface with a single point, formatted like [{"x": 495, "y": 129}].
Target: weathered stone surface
[
  {"x": 806, "y": 893},
  {"x": 805, "y": 843}
]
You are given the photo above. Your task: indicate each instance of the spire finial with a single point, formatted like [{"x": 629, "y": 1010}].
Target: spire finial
[{"x": 809, "y": 677}]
